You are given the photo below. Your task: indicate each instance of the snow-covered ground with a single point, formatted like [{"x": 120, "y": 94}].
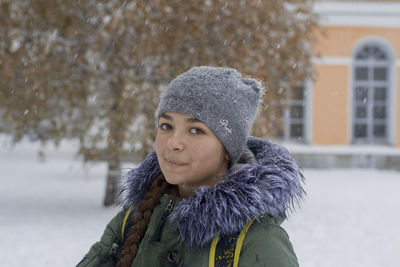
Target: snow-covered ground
[
  {"x": 350, "y": 218},
  {"x": 51, "y": 212}
]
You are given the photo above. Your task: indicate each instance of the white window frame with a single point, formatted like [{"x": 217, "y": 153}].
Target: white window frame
[
  {"x": 390, "y": 103},
  {"x": 305, "y": 120}
]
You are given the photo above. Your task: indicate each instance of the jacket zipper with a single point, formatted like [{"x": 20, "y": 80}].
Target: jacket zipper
[
  {"x": 113, "y": 252},
  {"x": 157, "y": 233}
]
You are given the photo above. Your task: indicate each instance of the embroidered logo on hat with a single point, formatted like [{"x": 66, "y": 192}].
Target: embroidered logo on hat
[{"x": 225, "y": 124}]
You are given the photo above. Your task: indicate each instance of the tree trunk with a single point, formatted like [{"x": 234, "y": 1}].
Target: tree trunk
[
  {"x": 112, "y": 182},
  {"x": 115, "y": 140},
  {"x": 114, "y": 145}
]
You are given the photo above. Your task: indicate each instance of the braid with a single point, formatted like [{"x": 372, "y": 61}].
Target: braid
[{"x": 141, "y": 219}]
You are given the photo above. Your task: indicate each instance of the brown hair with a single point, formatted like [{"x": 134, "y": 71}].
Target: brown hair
[{"x": 142, "y": 217}]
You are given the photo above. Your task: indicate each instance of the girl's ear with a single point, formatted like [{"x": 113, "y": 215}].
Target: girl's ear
[{"x": 227, "y": 157}]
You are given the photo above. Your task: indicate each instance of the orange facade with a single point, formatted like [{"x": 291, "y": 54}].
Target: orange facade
[
  {"x": 332, "y": 90},
  {"x": 339, "y": 41},
  {"x": 330, "y": 118}
]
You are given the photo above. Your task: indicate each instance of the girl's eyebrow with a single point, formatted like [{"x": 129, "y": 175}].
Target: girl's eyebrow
[
  {"x": 165, "y": 116},
  {"x": 191, "y": 120}
]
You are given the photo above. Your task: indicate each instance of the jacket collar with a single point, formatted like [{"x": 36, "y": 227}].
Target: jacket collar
[{"x": 265, "y": 180}]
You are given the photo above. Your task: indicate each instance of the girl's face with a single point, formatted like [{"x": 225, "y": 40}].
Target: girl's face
[{"x": 189, "y": 153}]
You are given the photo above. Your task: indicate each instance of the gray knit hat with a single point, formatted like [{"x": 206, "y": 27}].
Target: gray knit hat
[{"x": 220, "y": 98}]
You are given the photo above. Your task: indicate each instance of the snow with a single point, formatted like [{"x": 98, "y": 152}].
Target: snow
[
  {"x": 51, "y": 212},
  {"x": 350, "y": 218}
]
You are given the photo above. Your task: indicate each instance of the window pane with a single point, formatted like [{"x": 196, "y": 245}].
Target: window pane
[
  {"x": 361, "y": 56},
  {"x": 360, "y": 130},
  {"x": 361, "y": 112},
  {"x": 296, "y": 130},
  {"x": 380, "y": 74},
  {"x": 361, "y": 94},
  {"x": 361, "y": 73},
  {"x": 379, "y": 112},
  {"x": 379, "y": 130},
  {"x": 369, "y": 50},
  {"x": 298, "y": 93},
  {"x": 380, "y": 93},
  {"x": 379, "y": 54},
  {"x": 296, "y": 112}
]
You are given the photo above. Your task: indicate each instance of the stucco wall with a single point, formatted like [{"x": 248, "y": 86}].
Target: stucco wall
[{"x": 331, "y": 105}]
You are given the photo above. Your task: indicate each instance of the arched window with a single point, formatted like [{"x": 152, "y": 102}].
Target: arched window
[{"x": 371, "y": 84}]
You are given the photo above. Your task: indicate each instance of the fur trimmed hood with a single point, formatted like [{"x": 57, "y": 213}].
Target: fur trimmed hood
[{"x": 267, "y": 180}]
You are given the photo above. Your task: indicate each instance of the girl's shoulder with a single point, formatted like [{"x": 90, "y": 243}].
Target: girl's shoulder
[{"x": 268, "y": 243}]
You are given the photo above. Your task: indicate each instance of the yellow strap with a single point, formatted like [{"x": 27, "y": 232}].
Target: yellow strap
[
  {"x": 240, "y": 242},
  {"x": 211, "y": 259},
  {"x": 124, "y": 222}
]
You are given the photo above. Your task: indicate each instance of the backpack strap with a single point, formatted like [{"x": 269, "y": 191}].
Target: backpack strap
[
  {"x": 240, "y": 242},
  {"x": 225, "y": 250},
  {"x": 118, "y": 243},
  {"x": 126, "y": 223}
]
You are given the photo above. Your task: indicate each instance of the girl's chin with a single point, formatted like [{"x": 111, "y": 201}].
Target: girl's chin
[{"x": 173, "y": 179}]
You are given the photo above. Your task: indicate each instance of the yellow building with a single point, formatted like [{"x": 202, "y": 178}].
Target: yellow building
[{"x": 355, "y": 98}]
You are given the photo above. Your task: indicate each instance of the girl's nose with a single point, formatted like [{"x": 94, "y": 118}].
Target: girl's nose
[{"x": 176, "y": 142}]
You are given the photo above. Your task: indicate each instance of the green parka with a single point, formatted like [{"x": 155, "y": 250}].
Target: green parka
[{"x": 186, "y": 236}]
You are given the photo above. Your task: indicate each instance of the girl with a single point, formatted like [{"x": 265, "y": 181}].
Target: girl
[{"x": 210, "y": 194}]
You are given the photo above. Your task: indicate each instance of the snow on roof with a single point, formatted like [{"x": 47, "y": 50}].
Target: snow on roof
[{"x": 369, "y": 14}]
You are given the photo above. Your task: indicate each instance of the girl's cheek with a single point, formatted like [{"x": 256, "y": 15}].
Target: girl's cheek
[
  {"x": 159, "y": 143},
  {"x": 196, "y": 148}
]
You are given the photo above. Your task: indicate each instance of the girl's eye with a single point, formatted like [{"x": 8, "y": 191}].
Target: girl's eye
[
  {"x": 165, "y": 126},
  {"x": 196, "y": 131}
]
